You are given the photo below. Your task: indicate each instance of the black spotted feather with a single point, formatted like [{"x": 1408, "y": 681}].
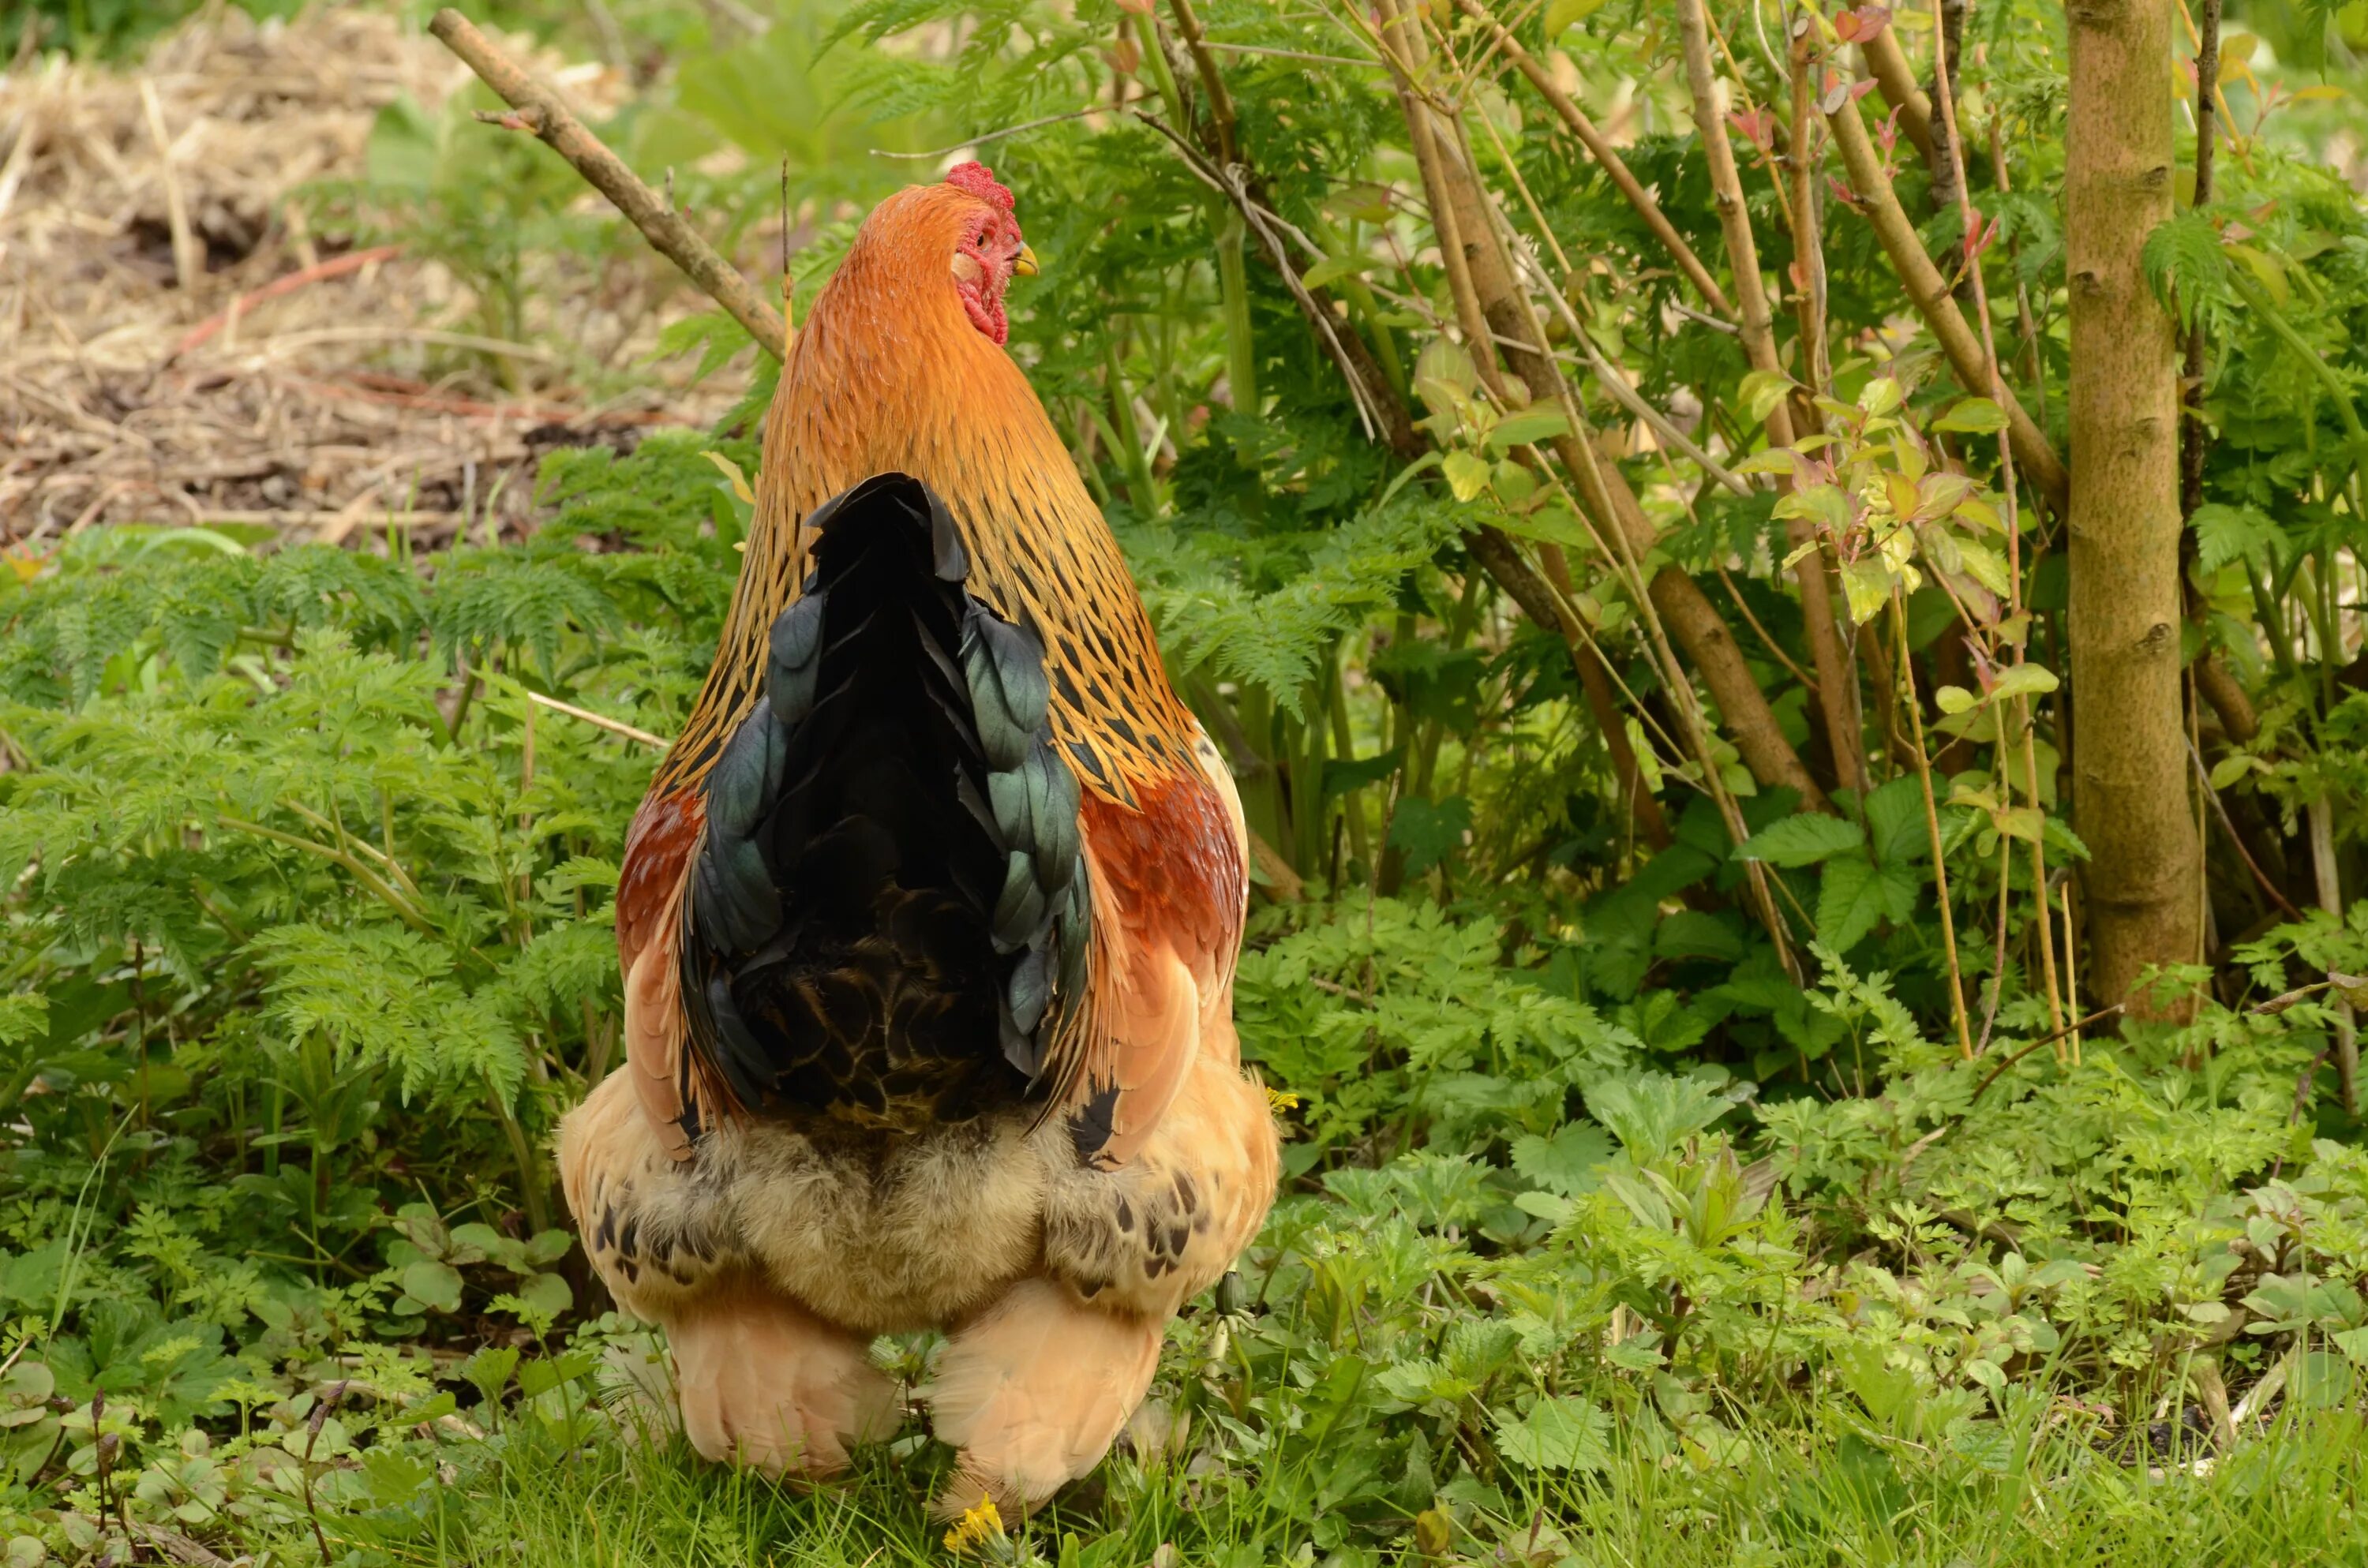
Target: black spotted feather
[{"x": 888, "y": 913}]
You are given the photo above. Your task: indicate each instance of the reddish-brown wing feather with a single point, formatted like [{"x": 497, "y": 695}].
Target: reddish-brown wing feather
[
  {"x": 1170, "y": 889},
  {"x": 667, "y": 1077}
]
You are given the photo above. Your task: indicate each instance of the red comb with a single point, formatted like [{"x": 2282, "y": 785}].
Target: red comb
[{"x": 979, "y": 180}]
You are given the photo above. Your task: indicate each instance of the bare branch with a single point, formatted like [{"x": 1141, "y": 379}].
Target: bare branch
[
  {"x": 1599, "y": 148},
  {"x": 546, "y": 114},
  {"x": 1929, "y": 292}
]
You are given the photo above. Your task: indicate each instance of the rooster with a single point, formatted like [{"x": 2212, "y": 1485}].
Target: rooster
[{"x": 929, "y": 923}]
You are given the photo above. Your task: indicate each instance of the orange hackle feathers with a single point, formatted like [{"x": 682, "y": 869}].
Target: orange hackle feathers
[{"x": 889, "y": 374}]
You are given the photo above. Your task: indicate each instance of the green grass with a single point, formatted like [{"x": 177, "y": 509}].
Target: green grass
[{"x": 1820, "y": 1494}]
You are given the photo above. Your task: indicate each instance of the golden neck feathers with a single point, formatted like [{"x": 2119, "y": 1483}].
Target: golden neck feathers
[{"x": 892, "y": 373}]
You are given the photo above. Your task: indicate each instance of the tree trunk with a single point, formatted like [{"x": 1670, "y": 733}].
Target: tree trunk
[{"x": 2130, "y": 781}]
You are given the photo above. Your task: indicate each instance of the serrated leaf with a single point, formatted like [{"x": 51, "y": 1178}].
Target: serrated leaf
[
  {"x": 1854, "y": 895},
  {"x": 1894, "y": 821},
  {"x": 1802, "y": 840},
  {"x": 1562, "y": 1432},
  {"x": 2225, "y": 534},
  {"x": 1565, "y": 1163},
  {"x": 1429, "y": 831}
]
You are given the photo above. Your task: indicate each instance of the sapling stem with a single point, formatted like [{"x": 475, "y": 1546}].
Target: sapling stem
[{"x": 1931, "y": 824}]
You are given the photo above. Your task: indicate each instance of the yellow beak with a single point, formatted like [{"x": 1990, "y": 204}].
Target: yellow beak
[{"x": 1024, "y": 263}]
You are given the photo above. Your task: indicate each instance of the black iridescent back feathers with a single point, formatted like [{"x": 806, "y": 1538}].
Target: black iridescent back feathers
[{"x": 888, "y": 918}]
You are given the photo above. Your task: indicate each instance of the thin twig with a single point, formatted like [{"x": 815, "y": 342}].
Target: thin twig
[
  {"x": 1833, "y": 690},
  {"x": 1235, "y": 187},
  {"x": 1931, "y": 294},
  {"x": 615, "y": 727},
  {"x": 1969, "y": 225},
  {"x": 321, "y": 1411},
  {"x": 1906, "y": 676},
  {"x": 2099, "y": 1016},
  {"x": 1607, "y": 157},
  {"x": 1886, "y": 62},
  {"x": 320, "y": 272},
  {"x": 546, "y": 114},
  {"x": 1265, "y": 53},
  {"x": 2221, "y": 811},
  {"x": 189, "y": 256},
  {"x": 1212, "y": 80},
  {"x": 983, "y": 137}
]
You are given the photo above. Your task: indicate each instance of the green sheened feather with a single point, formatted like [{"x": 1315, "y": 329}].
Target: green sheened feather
[{"x": 793, "y": 662}]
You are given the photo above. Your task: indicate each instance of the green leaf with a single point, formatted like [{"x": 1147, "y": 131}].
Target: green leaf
[
  {"x": 1894, "y": 821},
  {"x": 1551, "y": 523},
  {"x": 436, "y": 1284},
  {"x": 1982, "y": 564},
  {"x": 1563, "y": 13},
  {"x": 2322, "y": 1380},
  {"x": 547, "y": 1293},
  {"x": 1467, "y": 475},
  {"x": 24, "y": 1017},
  {"x": 1565, "y": 1163},
  {"x": 1854, "y": 896},
  {"x": 489, "y": 1370},
  {"x": 1697, "y": 934},
  {"x": 1530, "y": 426},
  {"x": 1973, "y": 415},
  {"x": 2236, "y": 766},
  {"x": 1802, "y": 840},
  {"x": 1823, "y": 503},
  {"x": 2224, "y": 534},
  {"x": 541, "y": 1377},
  {"x": 1563, "y": 1432},
  {"x": 1652, "y": 1113},
  {"x": 1866, "y": 583},
  {"x": 1761, "y": 391},
  {"x": 1331, "y": 269},
  {"x": 1429, "y": 831},
  {"x": 2186, "y": 265}
]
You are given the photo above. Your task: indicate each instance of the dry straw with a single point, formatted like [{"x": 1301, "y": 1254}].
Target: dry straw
[{"x": 178, "y": 345}]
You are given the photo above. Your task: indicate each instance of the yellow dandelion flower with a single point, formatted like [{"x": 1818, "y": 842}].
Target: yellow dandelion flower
[
  {"x": 1281, "y": 1099},
  {"x": 979, "y": 1524}
]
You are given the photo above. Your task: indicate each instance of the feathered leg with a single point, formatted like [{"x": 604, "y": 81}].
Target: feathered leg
[
  {"x": 1034, "y": 1391},
  {"x": 766, "y": 1384},
  {"x": 759, "y": 1379}
]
